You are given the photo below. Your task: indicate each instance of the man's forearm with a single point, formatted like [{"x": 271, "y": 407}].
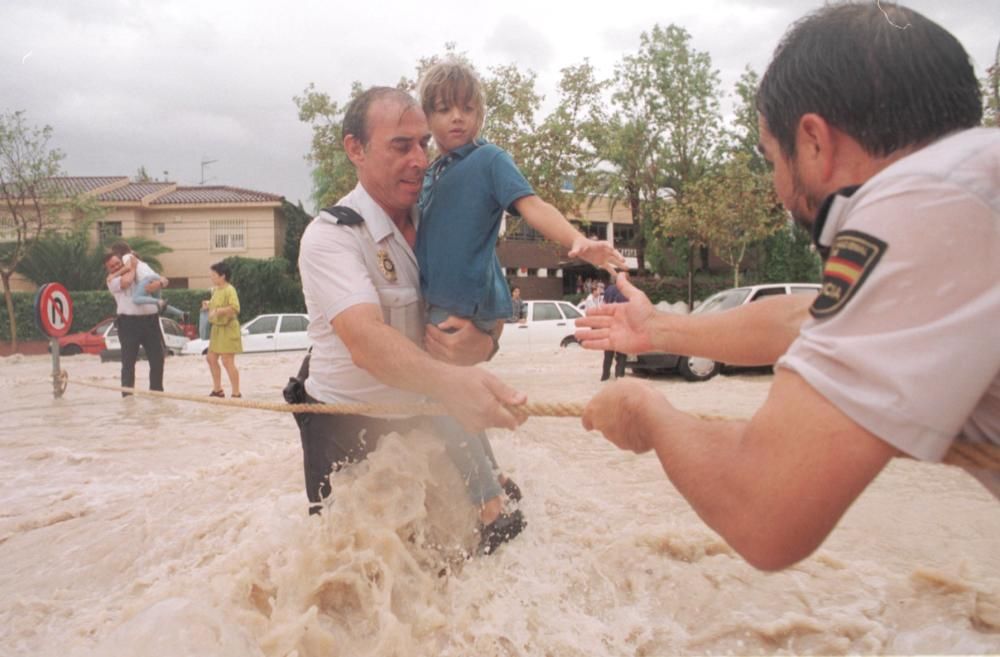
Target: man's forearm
[
  {"x": 756, "y": 333},
  {"x": 388, "y": 355}
]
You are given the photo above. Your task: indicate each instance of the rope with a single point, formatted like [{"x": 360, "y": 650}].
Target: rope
[{"x": 963, "y": 454}]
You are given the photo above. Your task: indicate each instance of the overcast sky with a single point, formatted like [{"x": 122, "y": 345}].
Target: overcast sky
[{"x": 166, "y": 85}]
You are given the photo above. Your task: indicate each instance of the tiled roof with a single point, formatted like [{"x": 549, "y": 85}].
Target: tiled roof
[
  {"x": 202, "y": 195},
  {"x": 71, "y": 186},
  {"x": 134, "y": 192},
  {"x": 118, "y": 189}
]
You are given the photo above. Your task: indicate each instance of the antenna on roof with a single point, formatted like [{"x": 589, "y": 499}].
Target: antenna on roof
[{"x": 205, "y": 163}]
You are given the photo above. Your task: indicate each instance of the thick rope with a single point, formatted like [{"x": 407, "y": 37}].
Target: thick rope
[{"x": 962, "y": 453}]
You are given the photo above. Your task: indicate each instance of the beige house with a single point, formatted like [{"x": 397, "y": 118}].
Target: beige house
[{"x": 201, "y": 224}]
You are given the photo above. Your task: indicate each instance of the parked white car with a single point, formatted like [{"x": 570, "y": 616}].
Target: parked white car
[
  {"x": 174, "y": 340},
  {"x": 267, "y": 333},
  {"x": 545, "y": 324}
]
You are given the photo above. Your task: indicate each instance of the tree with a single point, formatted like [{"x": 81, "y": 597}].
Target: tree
[
  {"x": 991, "y": 99},
  {"x": 664, "y": 128},
  {"x": 745, "y": 133},
  {"x": 65, "y": 257},
  {"x": 32, "y": 204},
  {"x": 561, "y": 151},
  {"x": 735, "y": 208},
  {"x": 296, "y": 220},
  {"x": 333, "y": 176},
  {"x": 789, "y": 256},
  {"x": 70, "y": 258}
]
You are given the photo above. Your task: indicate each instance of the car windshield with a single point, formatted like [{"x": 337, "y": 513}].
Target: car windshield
[{"x": 723, "y": 301}]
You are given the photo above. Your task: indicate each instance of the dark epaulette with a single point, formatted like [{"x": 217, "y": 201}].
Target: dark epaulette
[{"x": 345, "y": 215}]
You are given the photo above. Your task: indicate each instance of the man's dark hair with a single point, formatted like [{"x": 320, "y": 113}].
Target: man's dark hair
[
  {"x": 222, "y": 269},
  {"x": 356, "y": 115},
  {"x": 108, "y": 256},
  {"x": 885, "y": 75}
]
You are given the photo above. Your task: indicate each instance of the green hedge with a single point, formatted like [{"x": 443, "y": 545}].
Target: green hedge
[{"x": 89, "y": 308}]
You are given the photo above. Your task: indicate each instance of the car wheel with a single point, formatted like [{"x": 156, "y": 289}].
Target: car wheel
[
  {"x": 70, "y": 350},
  {"x": 693, "y": 368},
  {"x": 570, "y": 341}
]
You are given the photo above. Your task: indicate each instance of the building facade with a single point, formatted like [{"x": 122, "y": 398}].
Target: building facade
[
  {"x": 200, "y": 224},
  {"x": 544, "y": 270}
]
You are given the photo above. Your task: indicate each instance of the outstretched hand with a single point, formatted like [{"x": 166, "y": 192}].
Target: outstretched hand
[
  {"x": 622, "y": 327},
  {"x": 598, "y": 253}
]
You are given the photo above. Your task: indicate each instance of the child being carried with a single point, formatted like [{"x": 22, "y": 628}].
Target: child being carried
[{"x": 144, "y": 277}]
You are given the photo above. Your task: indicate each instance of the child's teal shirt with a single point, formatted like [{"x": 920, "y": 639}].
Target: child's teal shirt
[{"x": 463, "y": 199}]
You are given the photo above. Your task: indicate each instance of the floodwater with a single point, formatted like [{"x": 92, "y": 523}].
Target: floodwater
[{"x": 146, "y": 527}]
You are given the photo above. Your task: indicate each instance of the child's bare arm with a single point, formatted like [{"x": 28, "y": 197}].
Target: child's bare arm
[{"x": 547, "y": 220}]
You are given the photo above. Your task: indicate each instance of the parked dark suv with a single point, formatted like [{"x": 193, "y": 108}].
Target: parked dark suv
[{"x": 693, "y": 368}]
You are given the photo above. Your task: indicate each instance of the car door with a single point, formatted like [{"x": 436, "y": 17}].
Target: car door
[
  {"x": 258, "y": 333},
  {"x": 547, "y": 324},
  {"x": 292, "y": 333},
  {"x": 95, "y": 343},
  {"x": 173, "y": 335}
]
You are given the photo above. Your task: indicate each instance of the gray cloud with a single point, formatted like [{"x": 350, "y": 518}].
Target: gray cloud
[{"x": 126, "y": 83}]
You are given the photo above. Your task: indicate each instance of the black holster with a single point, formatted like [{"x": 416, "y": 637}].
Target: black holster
[{"x": 294, "y": 391}]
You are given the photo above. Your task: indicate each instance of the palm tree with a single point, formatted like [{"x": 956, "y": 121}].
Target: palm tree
[{"x": 70, "y": 259}]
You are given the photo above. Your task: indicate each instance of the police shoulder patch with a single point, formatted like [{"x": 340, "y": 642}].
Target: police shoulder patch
[{"x": 853, "y": 256}]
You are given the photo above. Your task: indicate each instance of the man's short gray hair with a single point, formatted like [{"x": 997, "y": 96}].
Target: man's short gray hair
[{"x": 356, "y": 116}]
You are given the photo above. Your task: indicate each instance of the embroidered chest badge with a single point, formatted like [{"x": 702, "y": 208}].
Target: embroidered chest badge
[
  {"x": 852, "y": 258},
  {"x": 386, "y": 266}
]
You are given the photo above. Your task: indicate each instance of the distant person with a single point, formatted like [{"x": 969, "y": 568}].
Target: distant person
[
  {"x": 870, "y": 116},
  {"x": 517, "y": 304},
  {"x": 225, "y": 339},
  {"x": 204, "y": 326},
  {"x": 613, "y": 295},
  {"x": 138, "y": 325},
  {"x": 465, "y": 194},
  {"x": 148, "y": 284},
  {"x": 595, "y": 298}
]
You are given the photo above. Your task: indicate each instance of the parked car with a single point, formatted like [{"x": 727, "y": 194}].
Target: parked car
[
  {"x": 545, "y": 324},
  {"x": 174, "y": 340},
  {"x": 702, "y": 369},
  {"x": 266, "y": 333},
  {"x": 87, "y": 342}
]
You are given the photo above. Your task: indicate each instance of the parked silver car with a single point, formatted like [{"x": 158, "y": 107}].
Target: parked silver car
[{"x": 694, "y": 368}]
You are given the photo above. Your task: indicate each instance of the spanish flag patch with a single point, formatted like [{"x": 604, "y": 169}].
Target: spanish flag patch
[{"x": 852, "y": 257}]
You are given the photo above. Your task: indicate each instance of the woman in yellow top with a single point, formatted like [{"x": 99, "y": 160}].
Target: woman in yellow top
[{"x": 224, "y": 340}]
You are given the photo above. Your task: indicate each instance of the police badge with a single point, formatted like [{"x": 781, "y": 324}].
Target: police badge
[{"x": 386, "y": 266}]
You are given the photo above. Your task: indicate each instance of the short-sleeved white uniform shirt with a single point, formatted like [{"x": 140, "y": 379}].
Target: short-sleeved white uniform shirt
[
  {"x": 345, "y": 265},
  {"x": 905, "y": 335}
]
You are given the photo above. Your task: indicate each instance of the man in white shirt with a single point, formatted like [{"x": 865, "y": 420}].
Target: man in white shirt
[
  {"x": 869, "y": 117},
  {"x": 138, "y": 325},
  {"x": 367, "y": 321}
]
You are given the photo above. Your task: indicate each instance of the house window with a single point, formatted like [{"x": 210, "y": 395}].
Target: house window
[
  {"x": 228, "y": 234},
  {"x": 109, "y": 231},
  {"x": 159, "y": 229}
]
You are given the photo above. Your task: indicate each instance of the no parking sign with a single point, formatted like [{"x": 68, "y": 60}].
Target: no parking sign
[{"x": 53, "y": 310}]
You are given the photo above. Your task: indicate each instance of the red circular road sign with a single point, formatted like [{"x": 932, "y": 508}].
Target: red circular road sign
[{"x": 54, "y": 310}]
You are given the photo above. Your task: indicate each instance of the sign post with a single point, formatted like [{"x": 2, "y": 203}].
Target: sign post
[{"x": 54, "y": 316}]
